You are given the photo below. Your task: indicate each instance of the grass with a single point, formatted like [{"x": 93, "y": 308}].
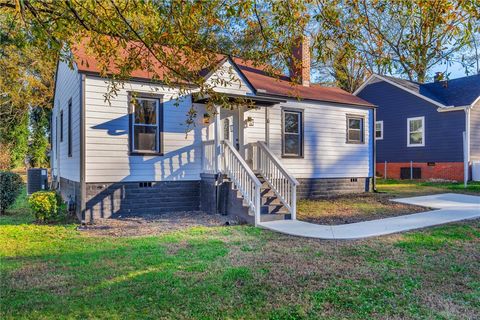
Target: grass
[
  {"x": 55, "y": 271},
  {"x": 362, "y": 207},
  {"x": 413, "y": 188},
  {"x": 352, "y": 208}
]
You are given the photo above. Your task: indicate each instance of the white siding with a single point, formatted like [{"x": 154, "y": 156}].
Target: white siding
[
  {"x": 226, "y": 79},
  {"x": 107, "y": 158},
  {"x": 67, "y": 87},
  {"x": 326, "y": 153},
  {"x": 255, "y": 132}
]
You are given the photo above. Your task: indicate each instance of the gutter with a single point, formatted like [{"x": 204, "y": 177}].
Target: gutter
[
  {"x": 83, "y": 188},
  {"x": 452, "y": 108}
]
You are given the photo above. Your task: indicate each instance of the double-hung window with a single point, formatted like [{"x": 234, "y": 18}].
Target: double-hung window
[
  {"x": 379, "y": 130},
  {"x": 355, "y": 129},
  {"x": 292, "y": 133},
  {"x": 145, "y": 131},
  {"x": 416, "y": 132}
]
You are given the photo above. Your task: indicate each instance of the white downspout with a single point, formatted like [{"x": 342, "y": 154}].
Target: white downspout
[
  {"x": 466, "y": 154},
  {"x": 217, "y": 139}
]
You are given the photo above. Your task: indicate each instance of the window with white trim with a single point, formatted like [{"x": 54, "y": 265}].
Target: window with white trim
[
  {"x": 292, "y": 133},
  {"x": 355, "y": 129},
  {"x": 379, "y": 130},
  {"x": 145, "y": 125},
  {"x": 416, "y": 132}
]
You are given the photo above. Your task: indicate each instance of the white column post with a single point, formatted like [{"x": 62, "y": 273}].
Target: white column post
[
  {"x": 294, "y": 202},
  {"x": 217, "y": 139}
]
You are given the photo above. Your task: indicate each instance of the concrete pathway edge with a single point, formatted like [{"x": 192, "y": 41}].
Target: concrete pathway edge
[{"x": 451, "y": 208}]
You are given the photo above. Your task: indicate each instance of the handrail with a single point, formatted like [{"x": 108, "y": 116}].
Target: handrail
[
  {"x": 278, "y": 163},
  {"x": 208, "y": 157},
  {"x": 282, "y": 183},
  {"x": 235, "y": 167}
]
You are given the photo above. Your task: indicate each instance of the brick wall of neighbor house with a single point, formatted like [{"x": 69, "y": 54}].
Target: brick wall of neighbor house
[
  {"x": 71, "y": 190},
  {"x": 321, "y": 188},
  {"x": 441, "y": 170},
  {"x": 108, "y": 199}
]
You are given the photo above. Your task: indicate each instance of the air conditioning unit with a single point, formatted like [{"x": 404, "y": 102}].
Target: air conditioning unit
[{"x": 37, "y": 180}]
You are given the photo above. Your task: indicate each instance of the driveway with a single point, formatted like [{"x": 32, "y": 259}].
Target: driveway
[{"x": 450, "y": 207}]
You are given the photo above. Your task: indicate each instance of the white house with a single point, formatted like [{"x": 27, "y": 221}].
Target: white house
[{"x": 131, "y": 155}]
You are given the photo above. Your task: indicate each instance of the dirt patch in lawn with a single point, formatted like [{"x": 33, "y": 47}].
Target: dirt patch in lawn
[
  {"x": 353, "y": 208},
  {"x": 152, "y": 224}
]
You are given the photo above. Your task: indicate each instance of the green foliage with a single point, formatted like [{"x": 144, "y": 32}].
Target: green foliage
[
  {"x": 14, "y": 140},
  {"x": 10, "y": 186},
  {"x": 39, "y": 133},
  {"x": 46, "y": 205}
]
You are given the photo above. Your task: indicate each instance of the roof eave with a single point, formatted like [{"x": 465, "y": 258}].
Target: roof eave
[{"x": 369, "y": 106}]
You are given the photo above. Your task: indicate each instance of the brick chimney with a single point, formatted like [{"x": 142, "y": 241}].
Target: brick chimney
[{"x": 300, "y": 62}]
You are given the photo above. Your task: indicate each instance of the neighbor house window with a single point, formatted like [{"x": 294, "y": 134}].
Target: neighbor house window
[
  {"x": 379, "y": 130},
  {"x": 145, "y": 125},
  {"x": 355, "y": 128},
  {"x": 292, "y": 133},
  {"x": 416, "y": 132},
  {"x": 69, "y": 136},
  {"x": 61, "y": 126}
]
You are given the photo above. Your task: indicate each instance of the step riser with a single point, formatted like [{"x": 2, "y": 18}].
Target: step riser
[{"x": 272, "y": 208}]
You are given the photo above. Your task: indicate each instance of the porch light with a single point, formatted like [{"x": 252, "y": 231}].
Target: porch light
[
  {"x": 206, "y": 118},
  {"x": 250, "y": 121}
]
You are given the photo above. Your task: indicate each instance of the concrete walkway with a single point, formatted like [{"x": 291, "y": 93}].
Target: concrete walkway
[{"x": 451, "y": 207}]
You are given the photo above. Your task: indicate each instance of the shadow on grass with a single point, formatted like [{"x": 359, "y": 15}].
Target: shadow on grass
[{"x": 181, "y": 275}]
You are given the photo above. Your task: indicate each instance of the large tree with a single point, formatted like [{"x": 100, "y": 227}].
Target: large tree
[
  {"x": 27, "y": 69},
  {"x": 406, "y": 37},
  {"x": 415, "y": 34}
]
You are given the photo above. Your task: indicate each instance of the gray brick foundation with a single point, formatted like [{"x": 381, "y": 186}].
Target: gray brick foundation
[
  {"x": 208, "y": 193},
  {"x": 323, "y": 188},
  {"x": 104, "y": 200},
  {"x": 70, "y": 190}
]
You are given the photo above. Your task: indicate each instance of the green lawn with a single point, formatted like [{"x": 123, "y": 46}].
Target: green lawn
[
  {"x": 57, "y": 272},
  {"x": 413, "y": 188}
]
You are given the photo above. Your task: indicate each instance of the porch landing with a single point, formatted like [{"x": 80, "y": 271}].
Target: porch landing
[{"x": 451, "y": 207}]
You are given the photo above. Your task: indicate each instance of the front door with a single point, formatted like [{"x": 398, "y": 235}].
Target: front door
[{"x": 230, "y": 127}]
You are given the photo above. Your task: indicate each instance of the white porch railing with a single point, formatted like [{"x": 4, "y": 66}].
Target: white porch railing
[
  {"x": 235, "y": 167},
  {"x": 283, "y": 184},
  {"x": 208, "y": 157}
]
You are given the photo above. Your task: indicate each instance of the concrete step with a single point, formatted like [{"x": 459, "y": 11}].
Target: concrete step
[
  {"x": 267, "y": 193},
  {"x": 271, "y": 200},
  {"x": 273, "y": 209},
  {"x": 275, "y": 217}
]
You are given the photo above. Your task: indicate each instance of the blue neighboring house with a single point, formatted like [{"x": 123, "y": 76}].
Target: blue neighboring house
[{"x": 423, "y": 126}]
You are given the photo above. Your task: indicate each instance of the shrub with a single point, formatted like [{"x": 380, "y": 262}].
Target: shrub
[
  {"x": 10, "y": 186},
  {"x": 46, "y": 205}
]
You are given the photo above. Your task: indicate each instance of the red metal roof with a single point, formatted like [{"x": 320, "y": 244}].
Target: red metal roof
[{"x": 263, "y": 82}]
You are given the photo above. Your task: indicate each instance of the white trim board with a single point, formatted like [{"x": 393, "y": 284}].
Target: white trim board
[{"x": 409, "y": 145}]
